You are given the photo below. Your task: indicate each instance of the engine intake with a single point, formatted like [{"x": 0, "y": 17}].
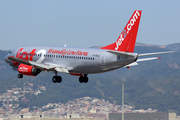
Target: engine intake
[{"x": 28, "y": 70}]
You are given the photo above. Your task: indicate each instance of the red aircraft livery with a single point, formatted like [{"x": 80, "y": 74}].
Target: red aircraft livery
[
  {"x": 68, "y": 52},
  {"x": 31, "y": 60}
]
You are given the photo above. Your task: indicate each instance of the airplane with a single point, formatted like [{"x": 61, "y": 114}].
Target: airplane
[{"x": 31, "y": 60}]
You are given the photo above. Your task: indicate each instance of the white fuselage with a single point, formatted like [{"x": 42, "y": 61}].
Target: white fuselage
[{"x": 76, "y": 60}]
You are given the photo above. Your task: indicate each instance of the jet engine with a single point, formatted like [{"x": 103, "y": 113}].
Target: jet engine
[{"x": 28, "y": 70}]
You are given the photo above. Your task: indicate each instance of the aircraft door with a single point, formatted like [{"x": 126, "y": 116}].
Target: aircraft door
[
  {"x": 54, "y": 57},
  {"x": 102, "y": 59}
]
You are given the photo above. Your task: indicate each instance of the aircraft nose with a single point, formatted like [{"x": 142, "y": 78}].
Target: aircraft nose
[{"x": 6, "y": 59}]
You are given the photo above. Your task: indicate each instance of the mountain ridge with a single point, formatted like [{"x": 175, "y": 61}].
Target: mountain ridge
[
  {"x": 174, "y": 46},
  {"x": 152, "y": 84}
]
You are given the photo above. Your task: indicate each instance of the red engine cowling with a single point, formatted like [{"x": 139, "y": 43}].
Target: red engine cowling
[{"x": 28, "y": 70}]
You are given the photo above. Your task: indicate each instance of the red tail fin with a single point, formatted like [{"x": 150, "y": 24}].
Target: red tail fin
[{"x": 127, "y": 39}]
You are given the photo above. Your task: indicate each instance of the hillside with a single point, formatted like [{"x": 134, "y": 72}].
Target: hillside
[{"x": 152, "y": 84}]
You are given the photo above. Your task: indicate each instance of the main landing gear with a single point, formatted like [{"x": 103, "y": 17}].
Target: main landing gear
[
  {"x": 20, "y": 76},
  {"x": 83, "y": 79},
  {"x": 57, "y": 79}
]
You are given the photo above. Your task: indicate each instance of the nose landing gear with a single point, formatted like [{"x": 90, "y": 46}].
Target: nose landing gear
[{"x": 20, "y": 76}]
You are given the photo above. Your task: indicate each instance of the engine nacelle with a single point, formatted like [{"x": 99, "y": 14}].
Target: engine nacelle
[{"x": 28, "y": 70}]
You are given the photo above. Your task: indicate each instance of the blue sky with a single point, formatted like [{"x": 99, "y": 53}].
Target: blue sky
[{"x": 85, "y": 23}]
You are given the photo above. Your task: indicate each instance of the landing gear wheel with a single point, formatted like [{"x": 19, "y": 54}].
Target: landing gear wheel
[
  {"x": 20, "y": 76},
  {"x": 56, "y": 79},
  {"x": 83, "y": 79},
  {"x": 59, "y": 79}
]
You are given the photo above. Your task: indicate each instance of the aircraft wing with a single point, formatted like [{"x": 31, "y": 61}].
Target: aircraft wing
[
  {"x": 42, "y": 66},
  {"x": 19, "y": 60}
]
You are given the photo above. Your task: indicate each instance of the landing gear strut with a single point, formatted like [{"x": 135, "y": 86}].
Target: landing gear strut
[
  {"x": 56, "y": 79},
  {"x": 20, "y": 76},
  {"x": 83, "y": 79}
]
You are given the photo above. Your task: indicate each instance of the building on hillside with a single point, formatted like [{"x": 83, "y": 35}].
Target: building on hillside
[
  {"x": 143, "y": 116},
  {"x": 27, "y": 116},
  {"x": 77, "y": 116}
]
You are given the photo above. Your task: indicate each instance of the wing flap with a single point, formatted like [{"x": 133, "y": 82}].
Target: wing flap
[{"x": 61, "y": 69}]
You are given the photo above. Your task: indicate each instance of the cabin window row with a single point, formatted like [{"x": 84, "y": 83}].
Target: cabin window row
[
  {"x": 60, "y": 56},
  {"x": 70, "y": 57}
]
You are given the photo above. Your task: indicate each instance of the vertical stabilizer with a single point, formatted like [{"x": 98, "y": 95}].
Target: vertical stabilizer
[{"x": 127, "y": 39}]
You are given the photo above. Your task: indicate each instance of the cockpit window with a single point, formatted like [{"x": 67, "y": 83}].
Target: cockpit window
[{"x": 9, "y": 52}]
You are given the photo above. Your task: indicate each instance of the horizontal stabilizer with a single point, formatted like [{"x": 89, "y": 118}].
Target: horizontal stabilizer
[
  {"x": 132, "y": 64},
  {"x": 156, "y": 53},
  {"x": 141, "y": 60},
  {"x": 122, "y": 53},
  {"x": 147, "y": 59}
]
